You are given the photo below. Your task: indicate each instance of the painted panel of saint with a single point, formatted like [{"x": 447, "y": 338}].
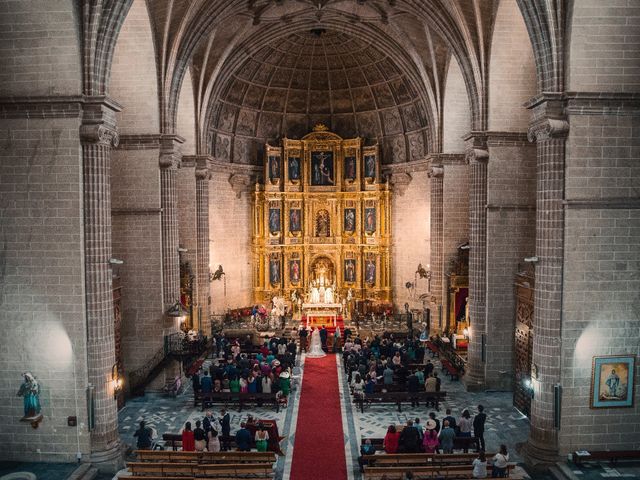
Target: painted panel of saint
[
  {"x": 370, "y": 166},
  {"x": 322, "y": 171},
  {"x": 370, "y": 271},
  {"x": 294, "y": 271},
  {"x": 350, "y": 168},
  {"x": 274, "y": 270},
  {"x": 274, "y": 220},
  {"x": 294, "y": 168},
  {"x": 370, "y": 220},
  {"x": 274, "y": 168},
  {"x": 295, "y": 225},
  {"x": 350, "y": 270},
  {"x": 349, "y": 219}
]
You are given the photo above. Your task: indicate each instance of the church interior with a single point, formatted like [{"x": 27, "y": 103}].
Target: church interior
[{"x": 319, "y": 239}]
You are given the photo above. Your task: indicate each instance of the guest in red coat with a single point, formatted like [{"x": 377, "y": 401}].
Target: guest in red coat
[
  {"x": 391, "y": 440},
  {"x": 188, "y": 439}
]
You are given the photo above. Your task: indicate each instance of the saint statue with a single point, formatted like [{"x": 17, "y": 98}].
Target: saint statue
[
  {"x": 30, "y": 390},
  {"x": 328, "y": 295}
]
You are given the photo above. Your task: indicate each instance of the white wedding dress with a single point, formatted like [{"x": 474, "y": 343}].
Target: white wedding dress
[{"x": 316, "y": 345}]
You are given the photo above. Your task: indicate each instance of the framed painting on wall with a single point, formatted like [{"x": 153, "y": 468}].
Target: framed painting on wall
[
  {"x": 612, "y": 381},
  {"x": 294, "y": 168}
]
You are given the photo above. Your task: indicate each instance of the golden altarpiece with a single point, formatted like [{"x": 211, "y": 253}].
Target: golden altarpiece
[{"x": 322, "y": 222}]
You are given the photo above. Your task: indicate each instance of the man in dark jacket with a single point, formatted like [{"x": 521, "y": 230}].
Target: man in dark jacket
[
  {"x": 478, "y": 426},
  {"x": 409, "y": 439},
  {"x": 323, "y": 337},
  {"x": 413, "y": 387},
  {"x": 225, "y": 422},
  {"x": 302, "y": 333},
  {"x": 243, "y": 438}
]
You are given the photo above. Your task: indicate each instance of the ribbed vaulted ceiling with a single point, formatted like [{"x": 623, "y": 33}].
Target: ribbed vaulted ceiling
[{"x": 294, "y": 82}]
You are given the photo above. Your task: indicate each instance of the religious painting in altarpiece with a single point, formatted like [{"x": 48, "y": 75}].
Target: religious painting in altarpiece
[{"x": 322, "y": 216}]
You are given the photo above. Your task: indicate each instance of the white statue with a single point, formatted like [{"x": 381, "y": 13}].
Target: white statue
[
  {"x": 328, "y": 295},
  {"x": 315, "y": 295},
  {"x": 349, "y": 296}
]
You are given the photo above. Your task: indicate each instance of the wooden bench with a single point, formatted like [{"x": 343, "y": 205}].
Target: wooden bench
[
  {"x": 240, "y": 399},
  {"x": 174, "y": 440},
  {"x": 204, "y": 457},
  {"x": 424, "y": 472},
  {"x": 398, "y": 398},
  {"x": 433, "y": 349},
  {"x": 459, "y": 443},
  {"x": 609, "y": 455},
  {"x": 389, "y": 459},
  {"x": 225, "y": 470},
  {"x": 449, "y": 369}
]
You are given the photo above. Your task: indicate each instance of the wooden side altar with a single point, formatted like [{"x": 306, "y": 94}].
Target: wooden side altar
[{"x": 322, "y": 220}]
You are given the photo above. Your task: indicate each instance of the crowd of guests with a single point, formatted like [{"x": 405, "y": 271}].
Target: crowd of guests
[
  {"x": 385, "y": 360},
  {"x": 244, "y": 368}
]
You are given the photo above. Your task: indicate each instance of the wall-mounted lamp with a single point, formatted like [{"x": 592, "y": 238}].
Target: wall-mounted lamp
[
  {"x": 527, "y": 383},
  {"x": 177, "y": 310},
  {"x": 531, "y": 259},
  {"x": 115, "y": 261},
  {"x": 182, "y": 250},
  {"x": 116, "y": 380},
  {"x": 217, "y": 275},
  {"x": 424, "y": 273}
]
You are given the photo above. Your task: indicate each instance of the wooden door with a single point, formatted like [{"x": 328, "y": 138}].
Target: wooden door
[{"x": 524, "y": 331}]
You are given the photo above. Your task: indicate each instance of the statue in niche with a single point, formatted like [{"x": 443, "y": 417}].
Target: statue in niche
[
  {"x": 323, "y": 224},
  {"x": 30, "y": 391}
]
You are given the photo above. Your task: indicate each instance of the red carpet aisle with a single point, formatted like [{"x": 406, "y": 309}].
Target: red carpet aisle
[{"x": 318, "y": 450}]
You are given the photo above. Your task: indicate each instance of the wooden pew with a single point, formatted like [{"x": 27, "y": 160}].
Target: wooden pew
[
  {"x": 240, "y": 399},
  {"x": 611, "y": 455},
  {"x": 174, "y": 440},
  {"x": 459, "y": 443},
  {"x": 225, "y": 470},
  {"x": 167, "y": 456},
  {"x": 399, "y": 398},
  {"x": 389, "y": 459},
  {"x": 425, "y": 472}
]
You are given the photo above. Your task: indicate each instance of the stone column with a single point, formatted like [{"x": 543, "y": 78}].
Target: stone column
[
  {"x": 170, "y": 157},
  {"x": 202, "y": 233},
  {"x": 437, "y": 281},
  {"x": 477, "y": 156},
  {"x": 549, "y": 129},
  {"x": 98, "y": 135}
]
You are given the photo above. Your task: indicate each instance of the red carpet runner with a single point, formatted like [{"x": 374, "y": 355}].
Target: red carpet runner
[{"x": 318, "y": 451}]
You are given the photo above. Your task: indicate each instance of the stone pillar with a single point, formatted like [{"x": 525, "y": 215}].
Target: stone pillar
[
  {"x": 98, "y": 135},
  {"x": 549, "y": 129},
  {"x": 437, "y": 281},
  {"x": 477, "y": 156},
  {"x": 170, "y": 157},
  {"x": 202, "y": 233}
]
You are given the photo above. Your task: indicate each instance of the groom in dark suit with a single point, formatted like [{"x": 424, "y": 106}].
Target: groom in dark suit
[{"x": 323, "y": 338}]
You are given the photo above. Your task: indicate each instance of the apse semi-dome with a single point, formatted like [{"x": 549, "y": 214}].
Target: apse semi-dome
[{"x": 330, "y": 77}]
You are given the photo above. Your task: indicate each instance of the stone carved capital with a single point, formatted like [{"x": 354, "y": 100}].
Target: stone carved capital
[
  {"x": 548, "y": 128},
  {"x": 436, "y": 171},
  {"x": 170, "y": 154},
  {"x": 203, "y": 174},
  {"x": 100, "y": 134},
  {"x": 400, "y": 182},
  {"x": 240, "y": 183},
  {"x": 478, "y": 155}
]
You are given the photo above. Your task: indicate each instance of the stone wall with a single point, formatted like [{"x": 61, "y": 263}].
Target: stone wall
[
  {"x": 455, "y": 220},
  {"x": 511, "y": 173},
  {"x": 42, "y": 291},
  {"x": 601, "y": 268},
  {"x": 136, "y": 236},
  {"x": 456, "y": 110},
  {"x": 410, "y": 220},
  {"x": 230, "y": 242}
]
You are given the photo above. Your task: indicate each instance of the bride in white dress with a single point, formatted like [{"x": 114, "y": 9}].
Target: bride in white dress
[{"x": 316, "y": 345}]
